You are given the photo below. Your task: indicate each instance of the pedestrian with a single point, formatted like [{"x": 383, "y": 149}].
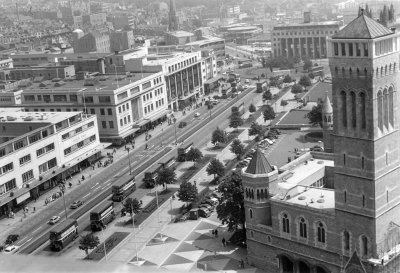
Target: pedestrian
[
  {"x": 146, "y": 146},
  {"x": 213, "y": 232},
  {"x": 70, "y": 184},
  {"x": 83, "y": 178},
  {"x": 216, "y": 232},
  {"x": 34, "y": 209},
  {"x": 79, "y": 181},
  {"x": 223, "y": 241},
  {"x": 241, "y": 263}
]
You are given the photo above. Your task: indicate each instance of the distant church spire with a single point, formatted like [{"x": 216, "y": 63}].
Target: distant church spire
[{"x": 173, "y": 19}]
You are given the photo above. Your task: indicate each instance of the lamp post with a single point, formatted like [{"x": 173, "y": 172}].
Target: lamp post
[
  {"x": 104, "y": 244},
  {"x": 62, "y": 189},
  {"x": 129, "y": 158},
  {"x": 176, "y": 142}
]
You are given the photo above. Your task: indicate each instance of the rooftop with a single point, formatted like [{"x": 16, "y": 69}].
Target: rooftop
[
  {"x": 109, "y": 82},
  {"x": 362, "y": 27},
  {"x": 7, "y": 116},
  {"x": 259, "y": 164},
  {"x": 324, "y": 23},
  {"x": 180, "y": 33}
]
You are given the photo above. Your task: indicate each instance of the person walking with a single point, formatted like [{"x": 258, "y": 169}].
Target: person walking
[
  {"x": 216, "y": 232},
  {"x": 223, "y": 242}
]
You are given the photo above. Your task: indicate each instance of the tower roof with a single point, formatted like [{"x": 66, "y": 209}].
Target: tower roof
[
  {"x": 259, "y": 164},
  {"x": 327, "y": 106},
  {"x": 362, "y": 27}
]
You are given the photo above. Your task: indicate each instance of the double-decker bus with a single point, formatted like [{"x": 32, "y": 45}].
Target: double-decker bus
[
  {"x": 123, "y": 188},
  {"x": 183, "y": 151},
  {"x": 151, "y": 174},
  {"x": 63, "y": 234},
  {"x": 101, "y": 216}
]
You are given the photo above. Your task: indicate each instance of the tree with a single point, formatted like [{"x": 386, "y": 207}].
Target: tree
[
  {"x": 235, "y": 120},
  {"x": 252, "y": 108},
  {"x": 307, "y": 64},
  {"x": 187, "y": 192},
  {"x": 315, "y": 115},
  {"x": 274, "y": 81},
  {"x": 231, "y": 209},
  {"x": 287, "y": 79},
  {"x": 255, "y": 129},
  {"x": 194, "y": 155},
  {"x": 216, "y": 168},
  {"x": 305, "y": 81},
  {"x": 218, "y": 136},
  {"x": 311, "y": 75},
  {"x": 88, "y": 241},
  {"x": 267, "y": 95},
  {"x": 297, "y": 88},
  {"x": 166, "y": 176},
  {"x": 132, "y": 205},
  {"x": 237, "y": 148},
  {"x": 392, "y": 16},
  {"x": 269, "y": 113}
]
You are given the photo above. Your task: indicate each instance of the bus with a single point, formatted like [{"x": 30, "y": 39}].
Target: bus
[
  {"x": 183, "y": 151},
  {"x": 63, "y": 234},
  {"x": 239, "y": 109},
  {"x": 101, "y": 216},
  {"x": 122, "y": 189},
  {"x": 151, "y": 174}
]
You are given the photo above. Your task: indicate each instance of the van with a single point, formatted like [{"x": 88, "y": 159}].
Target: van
[{"x": 247, "y": 81}]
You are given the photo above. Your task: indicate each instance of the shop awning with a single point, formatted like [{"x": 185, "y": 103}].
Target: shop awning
[
  {"x": 23, "y": 197},
  {"x": 159, "y": 115},
  {"x": 141, "y": 123}
]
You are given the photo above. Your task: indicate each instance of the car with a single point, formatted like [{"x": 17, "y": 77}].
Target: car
[
  {"x": 53, "y": 220},
  {"x": 76, "y": 204},
  {"x": 246, "y": 86},
  {"x": 212, "y": 200},
  {"x": 11, "y": 249},
  {"x": 317, "y": 149},
  {"x": 12, "y": 238},
  {"x": 252, "y": 151},
  {"x": 276, "y": 131},
  {"x": 205, "y": 213},
  {"x": 182, "y": 124},
  {"x": 247, "y": 81},
  {"x": 206, "y": 206},
  {"x": 197, "y": 114}
]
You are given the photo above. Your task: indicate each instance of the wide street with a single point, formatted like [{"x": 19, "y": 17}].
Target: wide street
[{"x": 97, "y": 187}]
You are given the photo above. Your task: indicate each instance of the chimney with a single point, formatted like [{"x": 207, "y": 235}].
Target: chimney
[{"x": 307, "y": 16}]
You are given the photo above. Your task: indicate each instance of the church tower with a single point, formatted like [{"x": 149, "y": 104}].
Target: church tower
[
  {"x": 364, "y": 62},
  {"x": 173, "y": 19},
  {"x": 256, "y": 179},
  {"x": 327, "y": 123}
]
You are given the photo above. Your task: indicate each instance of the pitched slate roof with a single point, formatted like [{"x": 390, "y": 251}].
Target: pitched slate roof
[
  {"x": 259, "y": 164},
  {"x": 362, "y": 27}
]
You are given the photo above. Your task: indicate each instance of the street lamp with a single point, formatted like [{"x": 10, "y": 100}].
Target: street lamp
[
  {"x": 129, "y": 158},
  {"x": 61, "y": 185},
  {"x": 104, "y": 244},
  {"x": 174, "y": 120}
]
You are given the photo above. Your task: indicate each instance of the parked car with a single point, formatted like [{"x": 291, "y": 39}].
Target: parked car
[
  {"x": 205, "y": 213},
  {"x": 53, "y": 220},
  {"x": 246, "y": 81},
  {"x": 206, "y": 206},
  {"x": 182, "y": 124},
  {"x": 212, "y": 200},
  {"x": 269, "y": 141},
  {"x": 12, "y": 238},
  {"x": 317, "y": 149},
  {"x": 276, "y": 131},
  {"x": 76, "y": 204},
  {"x": 11, "y": 249},
  {"x": 197, "y": 114}
]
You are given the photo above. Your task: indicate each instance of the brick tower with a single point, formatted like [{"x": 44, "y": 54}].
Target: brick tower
[
  {"x": 256, "y": 180},
  {"x": 364, "y": 62},
  {"x": 327, "y": 123}
]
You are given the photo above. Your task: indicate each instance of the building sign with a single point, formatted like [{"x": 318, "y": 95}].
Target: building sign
[
  {"x": 23, "y": 197},
  {"x": 146, "y": 85}
]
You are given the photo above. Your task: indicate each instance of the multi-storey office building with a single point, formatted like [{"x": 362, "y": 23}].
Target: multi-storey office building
[
  {"x": 182, "y": 73},
  {"x": 38, "y": 150},
  {"x": 303, "y": 40},
  {"x": 124, "y": 104}
]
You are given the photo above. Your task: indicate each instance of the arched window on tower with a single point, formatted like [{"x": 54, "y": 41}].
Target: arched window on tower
[
  {"x": 251, "y": 213},
  {"x": 247, "y": 193},
  {"x": 358, "y": 72},
  {"x": 386, "y": 70},
  {"x": 262, "y": 194},
  {"x": 391, "y": 106},
  {"x": 353, "y": 110},
  {"x": 381, "y": 71},
  {"x": 386, "y": 108},
  {"x": 302, "y": 228},
  {"x": 321, "y": 233},
  {"x": 377, "y": 72},
  {"x": 285, "y": 223},
  {"x": 346, "y": 240},
  {"x": 364, "y": 246},
  {"x": 344, "y": 108},
  {"x": 363, "y": 111},
  {"x": 380, "y": 110},
  {"x": 258, "y": 194}
]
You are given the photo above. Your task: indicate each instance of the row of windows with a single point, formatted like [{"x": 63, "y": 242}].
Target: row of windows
[
  {"x": 385, "y": 46},
  {"x": 47, "y": 165},
  {"x": 79, "y": 145},
  {"x": 123, "y": 107},
  {"x": 304, "y": 32},
  {"x": 158, "y": 91},
  {"x": 125, "y": 120},
  {"x": 78, "y": 130},
  {"x": 350, "y": 104},
  {"x": 102, "y": 111},
  {"x": 148, "y": 96},
  {"x": 148, "y": 108},
  {"x": 45, "y": 149},
  {"x": 8, "y": 186},
  {"x": 24, "y": 159},
  {"x": 157, "y": 80},
  {"x": 6, "y": 168},
  {"x": 110, "y": 124},
  {"x": 159, "y": 103},
  {"x": 261, "y": 194},
  {"x": 182, "y": 64},
  {"x": 350, "y": 49},
  {"x": 27, "y": 176}
]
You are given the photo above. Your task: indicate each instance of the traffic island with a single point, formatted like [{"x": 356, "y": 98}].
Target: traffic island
[{"x": 110, "y": 243}]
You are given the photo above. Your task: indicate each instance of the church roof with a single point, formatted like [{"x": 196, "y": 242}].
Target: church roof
[
  {"x": 327, "y": 106},
  {"x": 259, "y": 164},
  {"x": 362, "y": 27}
]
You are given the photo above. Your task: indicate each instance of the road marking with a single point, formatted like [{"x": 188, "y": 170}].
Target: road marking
[
  {"x": 86, "y": 195},
  {"x": 30, "y": 239},
  {"x": 37, "y": 229},
  {"x": 95, "y": 185}
]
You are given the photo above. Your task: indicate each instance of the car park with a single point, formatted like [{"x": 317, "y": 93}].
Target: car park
[
  {"x": 53, "y": 220},
  {"x": 76, "y": 204},
  {"x": 11, "y": 249},
  {"x": 12, "y": 238}
]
